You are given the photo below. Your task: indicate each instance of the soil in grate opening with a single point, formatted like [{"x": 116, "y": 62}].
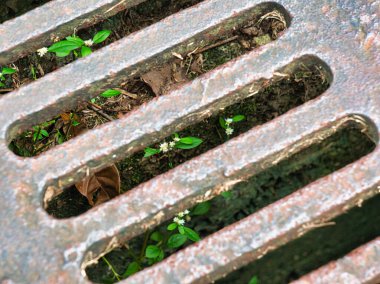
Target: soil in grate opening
[
  {"x": 122, "y": 24},
  {"x": 345, "y": 146},
  {"x": 14, "y": 8}
]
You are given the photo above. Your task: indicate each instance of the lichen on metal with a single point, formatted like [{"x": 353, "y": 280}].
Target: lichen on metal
[{"x": 39, "y": 249}]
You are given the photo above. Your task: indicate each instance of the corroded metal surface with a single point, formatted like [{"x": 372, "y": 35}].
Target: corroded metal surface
[
  {"x": 360, "y": 266},
  {"x": 39, "y": 249}
]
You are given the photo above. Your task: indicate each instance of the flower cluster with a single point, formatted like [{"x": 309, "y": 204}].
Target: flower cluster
[
  {"x": 229, "y": 129},
  {"x": 88, "y": 42},
  {"x": 42, "y": 51},
  {"x": 179, "y": 219},
  {"x": 165, "y": 146}
]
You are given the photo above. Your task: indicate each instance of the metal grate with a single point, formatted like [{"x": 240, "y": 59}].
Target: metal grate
[{"x": 39, "y": 249}]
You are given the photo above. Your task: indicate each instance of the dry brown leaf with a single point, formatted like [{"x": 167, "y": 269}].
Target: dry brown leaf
[{"x": 100, "y": 187}]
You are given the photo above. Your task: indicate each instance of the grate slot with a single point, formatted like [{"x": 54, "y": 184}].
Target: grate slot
[
  {"x": 27, "y": 33},
  {"x": 326, "y": 242},
  {"x": 361, "y": 265}
]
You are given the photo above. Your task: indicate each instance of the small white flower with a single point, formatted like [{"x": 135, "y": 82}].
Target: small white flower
[
  {"x": 88, "y": 42},
  {"x": 181, "y": 214},
  {"x": 229, "y": 131},
  {"x": 164, "y": 147},
  {"x": 178, "y": 221},
  {"x": 187, "y": 212},
  {"x": 229, "y": 121},
  {"x": 176, "y": 139},
  {"x": 172, "y": 144},
  {"x": 42, "y": 51}
]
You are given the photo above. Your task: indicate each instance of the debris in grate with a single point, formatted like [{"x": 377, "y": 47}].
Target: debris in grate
[{"x": 348, "y": 144}]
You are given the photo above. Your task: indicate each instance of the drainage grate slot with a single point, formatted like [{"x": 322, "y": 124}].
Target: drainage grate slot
[
  {"x": 122, "y": 24},
  {"x": 332, "y": 150},
  {"x": 301, "y": 81},
  {"x": 11, "y": 9},
  {"x": 331, "y": 241},
  {"x": 173, "y": 72}
]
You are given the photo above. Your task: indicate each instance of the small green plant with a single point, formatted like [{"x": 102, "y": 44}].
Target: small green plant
[
  {"x": 39, "y": 131},
  {"x": 110, "y": 93},
  {"x": 177, "y": 143},
  {"x": 161, "y": 241},
  {"x": 254, "y": 280},
  {"x": 73, "y": 43},
  {"x": 226, "y": 123},
  {"x": 5, "y": 71}
]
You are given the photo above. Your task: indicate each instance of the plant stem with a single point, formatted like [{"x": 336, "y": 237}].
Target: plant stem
[
  {"x": 144, "y": 245},
  {"x": 112, "y": 268}
]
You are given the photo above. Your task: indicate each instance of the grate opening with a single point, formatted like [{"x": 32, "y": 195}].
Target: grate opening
[
  {"x": 12, "y": 9},
  {"x": 316, "y": 248},
  {"x": 122, "y": 24},
  {"x": 230, "y": 44},
  {"x": 345, "y": 144},
  {"x": 301, "y": 81}
]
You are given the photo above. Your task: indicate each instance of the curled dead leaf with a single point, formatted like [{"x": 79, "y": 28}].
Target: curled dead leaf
[{"x": 101, "y": 186}]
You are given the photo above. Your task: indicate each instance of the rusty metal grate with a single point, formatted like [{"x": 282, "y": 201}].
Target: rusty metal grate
[{"x": 38, "y": 248}]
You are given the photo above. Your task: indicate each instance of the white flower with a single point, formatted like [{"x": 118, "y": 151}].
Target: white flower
[
  {"x": 179, "y": 221},
  {"x": 172, "y": 144},
  {"x": 88, "y": 42},
  {"x": 164, "y": 147},
  {"x": 186, "y": 212},
  {"x": 176, "y": 139},
  {"x": 229, "y": 131},
  {"x": 42, "y": 51},
  {"x": 181, "y": 214},
  {"x": 229, "y": 121}
]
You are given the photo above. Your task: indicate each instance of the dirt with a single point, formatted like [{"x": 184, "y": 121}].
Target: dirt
[{"x": 311, "y": 251}]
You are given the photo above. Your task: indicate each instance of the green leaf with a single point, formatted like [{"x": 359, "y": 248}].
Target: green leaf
[
  {"x": 110, "y": 93},
  {"x": 222, "y": 122},
  {"x": 156, "y": 236},
  {"x": 62, "y": 54},
  {"x": 181, "y": 230},
  {"x": 191, "y": 234},
  {"x": 75, "y": 123},
  {"x": 132, "y": 268},
  {"x": 201, "y": 208},
  {"x": 227, "y": 194},
  {"x": 2, "y": 84},
  {"x": 44, "y": 133},
  {"x": 152, "y": 251},
  {"x": 172, "y": 226},
  {"x": 254, "y": 280},
  {"x": 6, "y": 71},
  {"x": 187, "y": 140},
  {"x": 101, "y": 36},
  {"x": 75, "y": 39},
  {"x": 176, "y": 240},
  {"x": 150, "y": 152},
  {"x": 63, "y": 47},
  {"x": 238, "y": 118},
  {"x": 85, "y": 51},
  {"x": 195, "y": 142}
]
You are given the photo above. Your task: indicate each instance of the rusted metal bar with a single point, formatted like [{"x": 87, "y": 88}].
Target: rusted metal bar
[
  {"x": 54, "y": 20},
  {"x": 360, "y": 266},
  {"x": 39, "y": 249}
]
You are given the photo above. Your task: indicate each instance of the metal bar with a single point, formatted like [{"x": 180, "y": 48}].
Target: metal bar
[{"x": 360, "y": 266}]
